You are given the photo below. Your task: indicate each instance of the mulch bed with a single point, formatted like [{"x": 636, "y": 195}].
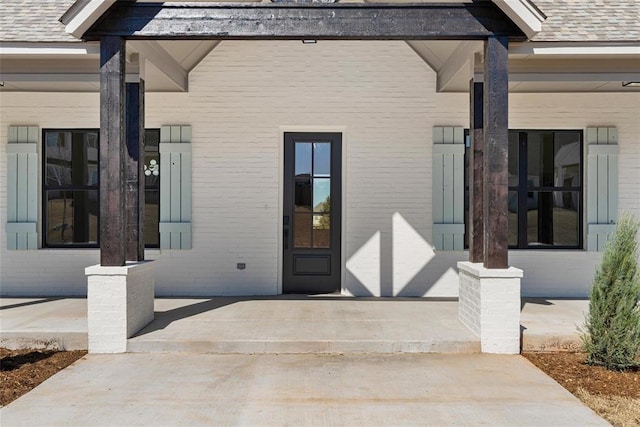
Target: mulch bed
[
  {"x": 570, "y": 371},
  {"x": 22, "y": 370}
]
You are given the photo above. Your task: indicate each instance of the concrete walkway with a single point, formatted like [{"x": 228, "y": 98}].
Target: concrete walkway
[
  {"x": 299, "y": 390},
  {"x": 284, "y": 324}
]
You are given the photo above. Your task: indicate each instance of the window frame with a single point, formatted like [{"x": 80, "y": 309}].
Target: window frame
[
  {"x": 522, "y": 243},
  {"x": 45, "y": 188}
]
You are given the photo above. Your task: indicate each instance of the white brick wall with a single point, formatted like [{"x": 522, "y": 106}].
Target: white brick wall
[
  {"x": 242, "y": 95},
  {"x": 490, "y": 306},
  {"x": 119, "y": 304}
]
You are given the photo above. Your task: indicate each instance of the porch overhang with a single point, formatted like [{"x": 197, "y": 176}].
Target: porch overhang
[{"x": 320, "y": 21}]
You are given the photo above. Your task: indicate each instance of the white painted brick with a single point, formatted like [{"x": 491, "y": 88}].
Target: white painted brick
[{"x": 381, "y": 93}]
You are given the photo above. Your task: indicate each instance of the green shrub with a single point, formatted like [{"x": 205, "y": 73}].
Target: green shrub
[{"x": 612, "y": 329}]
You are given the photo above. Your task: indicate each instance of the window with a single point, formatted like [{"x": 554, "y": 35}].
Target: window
[
  {"x": 71, "y": 196},
  {"x": 545, "y": 189},
  {"x": 152, "y": 188}
]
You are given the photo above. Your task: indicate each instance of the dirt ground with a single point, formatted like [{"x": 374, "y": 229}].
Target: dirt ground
[
  {"x": 22, "y": 370},
  {"x": 613, "y": 395}
]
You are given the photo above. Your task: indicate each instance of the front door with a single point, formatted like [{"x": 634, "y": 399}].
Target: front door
[{"x": 312, "y": 212}]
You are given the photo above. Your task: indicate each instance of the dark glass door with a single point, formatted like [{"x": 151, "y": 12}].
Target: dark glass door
[{"x": 312, "y": 212}]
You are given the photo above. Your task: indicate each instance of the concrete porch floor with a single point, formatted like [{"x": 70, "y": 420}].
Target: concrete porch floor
[{"x": 290, "y": 324}]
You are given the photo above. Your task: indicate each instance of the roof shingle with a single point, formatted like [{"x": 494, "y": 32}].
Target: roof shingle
[
  {"x": 34, "y": 21},
  {"x": 589, "y": 20}
]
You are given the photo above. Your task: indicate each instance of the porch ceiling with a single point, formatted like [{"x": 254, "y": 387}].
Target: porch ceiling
[
  {"x": 534, "y": 67},
  {"x": 539, "y": 66}
]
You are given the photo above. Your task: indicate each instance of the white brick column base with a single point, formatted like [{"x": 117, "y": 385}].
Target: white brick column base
[
  {"x": 119, "y": 304},
  {"x": 489, "y": 305}
]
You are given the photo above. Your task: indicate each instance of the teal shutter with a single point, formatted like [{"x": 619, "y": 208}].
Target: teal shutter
[
  {"x": 602, "y": 185},
  {"x": 175, "y": 187},
  {"x": 448, "y": 188},
  {"x": 22, "y": 187}
]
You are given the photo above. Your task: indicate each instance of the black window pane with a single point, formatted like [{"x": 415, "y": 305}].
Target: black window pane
[
  {"x": 513, "y": 155},
  {"x": 540, "y": 159},
  {"x": 152, "y": 170},
  {"x": 151, "y": 218},
  {"x": 566, "y": 218},
  {"x": 554, "y": 219},
  {"x": 151, "y": 139},
  {"x": 567, "y": 159},
  {"x": 513, "y": 218},
  {"x": 72, "y": 217},
  {"x": 59, "y": 155}
]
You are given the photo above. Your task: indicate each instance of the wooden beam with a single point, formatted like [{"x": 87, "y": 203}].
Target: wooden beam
[
  {"x": 134, "y": 201},
  {"x": 112, "y": 143},
  {"x": 475, "y": 173},
  {"x": 355, "y": 21},
  {"x": 164, "y": 62},
  {"x": 496, "y": 147},
  {"x": 463, "y": 54}
]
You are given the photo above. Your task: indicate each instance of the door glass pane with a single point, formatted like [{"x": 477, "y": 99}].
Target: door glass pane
[
  {"x": 513, "y": 218},
  {"x": 321, "y": 195},
  {"x": 303, "y": 193},
  {"x": 302, "y": 230},
  {"x": 303, "y": 158},
  {"x": 567, "y": 159},
  {"x": 321, "y": 231},
  {"x": 321, "y": 159},
  {"x": 72, "y": 217}
]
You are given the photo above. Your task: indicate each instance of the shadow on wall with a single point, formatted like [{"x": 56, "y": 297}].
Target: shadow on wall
[{"x": 409, "y": 253}]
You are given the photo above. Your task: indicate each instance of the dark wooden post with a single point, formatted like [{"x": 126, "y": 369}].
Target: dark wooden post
[
  {"x": 496, "y": 147},
  {"x": 112, "y": 144},
  {"x": 475, "y": 174},
  {"x": 134, "y": 202}
]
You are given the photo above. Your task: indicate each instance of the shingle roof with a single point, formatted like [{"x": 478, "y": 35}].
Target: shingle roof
[
  {"x": 34, "y": 20},
  {"x": 589, "y": 20},
  {"x": 567, "y": 20}
]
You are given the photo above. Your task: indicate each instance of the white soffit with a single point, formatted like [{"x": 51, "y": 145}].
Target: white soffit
[
  {"x": 45, "y": 50},
  {"x": 573, "y": 49},
  {"x": 524, "y": 14}
]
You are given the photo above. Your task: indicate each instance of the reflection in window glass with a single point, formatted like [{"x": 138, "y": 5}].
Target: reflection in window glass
[
  {"x": 321, "y": 231},
  {"x": 321, "y": 195},
  {"x": 302, "y": 230},
  {"x": 72, "y": 217},
  {"x": 303, "y": 152},
  {"x": 322, "y": 159},
  {"x": 546, "y": 211},
  {"x": 152, "y": 188},
  {"x": 303, "y": 194}
]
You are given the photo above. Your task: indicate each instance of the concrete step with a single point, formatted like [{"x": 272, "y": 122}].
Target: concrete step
[
  {"x": 302, "y": 346},
  {"x": 44, "y": 340}
]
